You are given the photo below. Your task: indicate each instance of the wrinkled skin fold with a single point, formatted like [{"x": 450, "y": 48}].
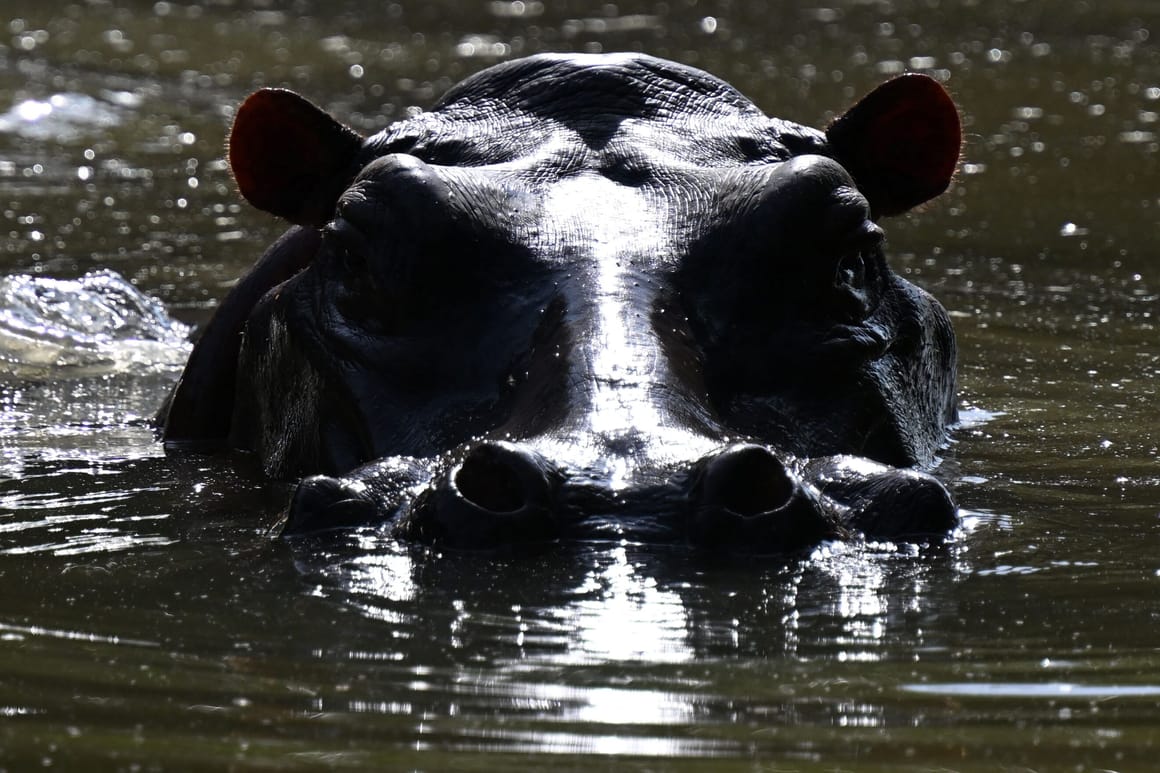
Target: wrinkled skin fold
[{"x": 588, "y": 297}]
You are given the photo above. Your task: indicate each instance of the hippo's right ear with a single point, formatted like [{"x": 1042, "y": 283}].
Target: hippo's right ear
[{"x": 289, "y": 157}]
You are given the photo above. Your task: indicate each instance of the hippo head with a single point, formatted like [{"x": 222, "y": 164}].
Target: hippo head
[{"x": 588, "y": 296}]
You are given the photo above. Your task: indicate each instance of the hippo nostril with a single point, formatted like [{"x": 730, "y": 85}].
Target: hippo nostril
[
  {"x": 489, "y": 479},
  {"x": 501, "y": 493},
  {"x": 747, "y": 499},
  {"x": 748, "y": 480}
]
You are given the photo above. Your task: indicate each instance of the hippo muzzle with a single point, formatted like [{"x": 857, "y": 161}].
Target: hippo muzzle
[
  {"x": 588, "y": 298},
  {"x": 742, "y": 498}
]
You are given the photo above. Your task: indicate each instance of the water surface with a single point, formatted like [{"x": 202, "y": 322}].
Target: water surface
[{"x": 147, "y": 619}]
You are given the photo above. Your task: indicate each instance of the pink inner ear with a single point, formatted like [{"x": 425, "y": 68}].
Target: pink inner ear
[
  {"x": 288, "y": 157},
  {"x": 901, "y": 143}
]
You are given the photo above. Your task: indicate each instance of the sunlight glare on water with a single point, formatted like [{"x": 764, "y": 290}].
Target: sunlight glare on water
[
  {"x": 1038, "y": 690},
  {"x": 150, "y": 622},
  {"x": 620, "y": 615}
]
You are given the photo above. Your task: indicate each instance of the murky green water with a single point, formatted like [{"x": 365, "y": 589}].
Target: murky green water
[{"x": 146, "y": 621}]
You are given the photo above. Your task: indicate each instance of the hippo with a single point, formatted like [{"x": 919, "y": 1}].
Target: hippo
[{"x": 587, "y": 297}]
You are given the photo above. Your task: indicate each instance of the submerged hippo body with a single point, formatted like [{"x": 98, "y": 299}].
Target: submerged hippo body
[{"x": 588, "y": 296}]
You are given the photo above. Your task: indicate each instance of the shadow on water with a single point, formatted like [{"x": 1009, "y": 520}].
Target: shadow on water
[{"x": 147, "y": 619}]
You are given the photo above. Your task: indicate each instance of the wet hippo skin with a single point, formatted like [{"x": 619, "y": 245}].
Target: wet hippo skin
[{"x": 587, "y": 297}]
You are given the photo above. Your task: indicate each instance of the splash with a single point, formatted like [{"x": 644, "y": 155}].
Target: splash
[{"x": 94, "y": 325}]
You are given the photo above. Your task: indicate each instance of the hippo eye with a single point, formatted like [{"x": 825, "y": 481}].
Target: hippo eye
[
  {"x": 854, "y": 282},
  {"x": 353, "y": 263},
  {"x": 851, "y": 272},
  {"x": 349, "y": 247}
]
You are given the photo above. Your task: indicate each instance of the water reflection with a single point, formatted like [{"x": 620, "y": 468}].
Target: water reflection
[
  {"x": 1029, "y": 643},
  {"x": 499, "y": 644},
  {"x": 622, "y": 637},
  {"x": 379, "y": 577},
  {"x": 623, "y": 615},
  {"x": 860, "y": 602},
  {"x": 1038, "y": 690},
  {"x": 623, "y": 604},
  {"x": 609, "y": 608},
  {"x": 71, "y": 508}
]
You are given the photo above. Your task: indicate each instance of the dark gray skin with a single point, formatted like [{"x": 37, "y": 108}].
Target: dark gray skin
[{"x": 588, "y": 297}]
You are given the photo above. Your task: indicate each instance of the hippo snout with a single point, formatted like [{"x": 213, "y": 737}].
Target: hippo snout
[{"x": 742, "y": 498}]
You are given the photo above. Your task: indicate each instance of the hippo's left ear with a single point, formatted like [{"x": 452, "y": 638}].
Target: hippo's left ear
[
  {"x": 901, "y": 143},
  {"x": 289, "y": 157}
]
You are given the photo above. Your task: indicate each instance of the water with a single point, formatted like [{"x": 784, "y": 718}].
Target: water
[{"x": 148, "y": 621}]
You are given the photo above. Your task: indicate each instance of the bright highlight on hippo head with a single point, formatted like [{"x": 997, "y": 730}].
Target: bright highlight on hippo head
[{"x": 588, "y": 297}]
